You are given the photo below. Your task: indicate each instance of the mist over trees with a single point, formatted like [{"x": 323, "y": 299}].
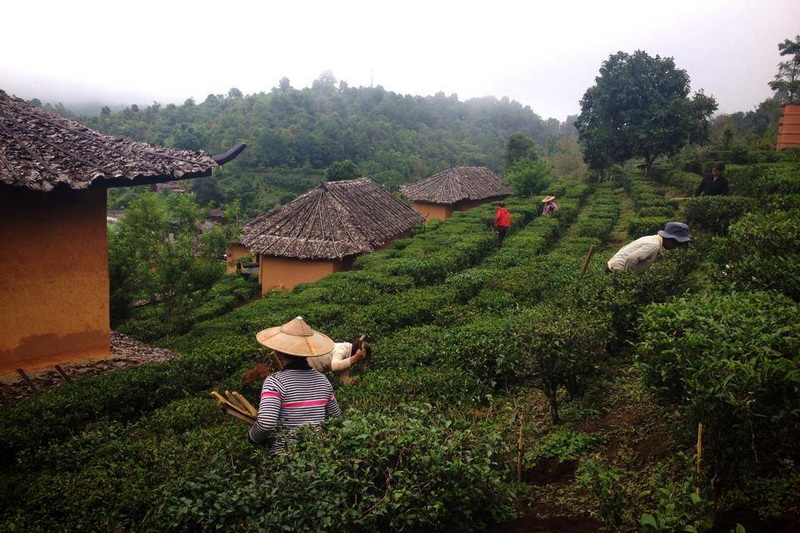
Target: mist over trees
[{"x": 293, "y": 135}]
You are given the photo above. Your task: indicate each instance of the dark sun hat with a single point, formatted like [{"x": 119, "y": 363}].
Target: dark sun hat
[
  {"x": 295, "y": 338},
  {"x": 677, "y": 231}
]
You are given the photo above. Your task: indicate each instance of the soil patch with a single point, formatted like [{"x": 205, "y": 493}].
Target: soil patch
[
  {"x": 551, "y": 470},
  {"x": 536, "y": 520},
  {"x": 126, "y": 352}
]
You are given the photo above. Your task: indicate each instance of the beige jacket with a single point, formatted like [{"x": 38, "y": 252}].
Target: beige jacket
[
  {"x": 337, "y": 360},
  {"x": 638, "y": 255}
]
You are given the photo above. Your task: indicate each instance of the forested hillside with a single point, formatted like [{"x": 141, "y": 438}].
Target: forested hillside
[{"x": 294, "y": 135}]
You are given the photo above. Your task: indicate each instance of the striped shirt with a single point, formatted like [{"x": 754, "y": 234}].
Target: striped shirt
[{"x": 290, "y": 398}]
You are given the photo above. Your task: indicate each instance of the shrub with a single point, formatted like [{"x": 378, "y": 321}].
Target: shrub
[
  {"x": 729, "y": 361},
  {"x": 761, "y": 252},
  {"x": 410, "y": 470},
  {"x": 714, "y": 214},
  {"x": 639, "y": 227}
]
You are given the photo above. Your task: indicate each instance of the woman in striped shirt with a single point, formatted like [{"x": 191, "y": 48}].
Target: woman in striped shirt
[{"x": 297, "y": 395}]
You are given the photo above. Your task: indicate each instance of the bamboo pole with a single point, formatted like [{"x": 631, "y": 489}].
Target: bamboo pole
[
  {"x": 586, "y": 261},
  {"x": 520, "y": 442},
  {"x": 699, "y": 451}
]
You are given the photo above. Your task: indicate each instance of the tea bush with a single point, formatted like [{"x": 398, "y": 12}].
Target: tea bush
[
  {"x": 762, "y": 252},
  {"x": 731, "y": 362},
  {"x": 713, "y": 214},
  {"x": 639, "y": 227},
  {"x": 408, "y": 470}
]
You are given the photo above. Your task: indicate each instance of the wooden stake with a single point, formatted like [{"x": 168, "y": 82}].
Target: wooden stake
[
  {"x": 25, "y": 377},
  {"x": 63, "y": 374},
  {"x": 699, "y": 445},
  {"x": 699, "y": 451},
  {"x": 588, "y": 258},
  {"x": 520, "y": 442}
]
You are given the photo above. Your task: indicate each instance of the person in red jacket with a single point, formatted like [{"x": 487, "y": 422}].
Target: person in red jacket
[{"x": 502, "y": 222}]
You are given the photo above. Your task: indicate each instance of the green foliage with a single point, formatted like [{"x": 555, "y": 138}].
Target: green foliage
[
  {"x": 565, "y": 445},
  {"x": 713, "y": 214},
  {"x": 152, "y": 257},
  {"x": 787, "y": 80},
  {"x": 294, "y": 135},
  {"x": 761, "y": 252},
  {"x": 342, "y": 170},
  {"x": 679, "y": 508},
  {"x": 409, "y": 470},
  {"x": 605, "y": 485},
  {"x": 640, "y": 107},
  {"x": 529, "y": 176},
  {"x": 519, "y": 146},
  {"x": 642, "y": 226},
  {"x": 729, "y": 361}
]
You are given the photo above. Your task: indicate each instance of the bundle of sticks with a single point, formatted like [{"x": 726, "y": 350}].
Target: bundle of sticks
[{"x": 236, "y": 405}]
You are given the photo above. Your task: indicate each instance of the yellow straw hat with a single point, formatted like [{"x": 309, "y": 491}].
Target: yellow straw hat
[
  {"x": 295, "y": 338},
  {"x": 548, "y": 199}
]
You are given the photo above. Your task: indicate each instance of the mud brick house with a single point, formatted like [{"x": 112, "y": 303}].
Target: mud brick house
[
  {"x": 455, "y": 189},
  {"x": 322, "y": 232},
  {"x": 54, "y": 284}
]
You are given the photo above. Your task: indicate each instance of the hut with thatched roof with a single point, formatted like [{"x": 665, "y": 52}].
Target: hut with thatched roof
[
  {"x": 54, "y": 284},
  {"x": 322, "y": 231},
  {"x": 455, "y": 189}
]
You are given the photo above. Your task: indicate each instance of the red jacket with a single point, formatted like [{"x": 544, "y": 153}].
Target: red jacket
[{"x": 502, "y": 219}]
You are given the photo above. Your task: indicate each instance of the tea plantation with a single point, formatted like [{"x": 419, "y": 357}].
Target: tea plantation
[{"x": 507, "y": 384}]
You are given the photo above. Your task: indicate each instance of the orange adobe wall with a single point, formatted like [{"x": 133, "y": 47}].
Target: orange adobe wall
[
  {"x": 433, "y": 211},
  {"x": 445, "y": 211},
  {"x": 235, "y": 251},
  {"x": 54, "y": 303},
  {"x": 286, "y": 274},
  {"x": 789, "y": 127}
]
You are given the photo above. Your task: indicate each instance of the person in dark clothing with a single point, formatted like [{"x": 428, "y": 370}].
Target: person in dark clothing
[{"x": 714, "y": 185}]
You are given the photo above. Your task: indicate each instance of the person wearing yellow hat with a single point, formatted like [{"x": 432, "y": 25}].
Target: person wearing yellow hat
[
  {"x": 297, "y": 395},
  {"x": 550, "y": 207}
]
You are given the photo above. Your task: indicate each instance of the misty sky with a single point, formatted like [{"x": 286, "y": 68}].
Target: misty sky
[{"x": 541, "y": 54}]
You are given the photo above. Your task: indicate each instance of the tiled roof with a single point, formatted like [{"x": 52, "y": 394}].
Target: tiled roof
[
  {"x": 456, "y": 185},
  {"x": 39, "y": 150},
  {"x": 333, "y": 220}
]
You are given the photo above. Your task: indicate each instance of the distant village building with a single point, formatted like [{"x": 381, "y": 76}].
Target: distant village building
[
  {"x": 789, "y": 127},
  {"x": 54, "y": 172},
  {"x": 455, "y": 189},
  {"x": 322, "y": 232}
]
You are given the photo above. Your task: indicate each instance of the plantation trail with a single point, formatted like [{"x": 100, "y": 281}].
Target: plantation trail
[{"x": 629, "y": 425}]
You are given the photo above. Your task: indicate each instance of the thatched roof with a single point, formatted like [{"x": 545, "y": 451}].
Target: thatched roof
[
  {"x": 333, "y": 220},
  {"x": 39, "y": 150},
  {"x": 456, "y": 185}
]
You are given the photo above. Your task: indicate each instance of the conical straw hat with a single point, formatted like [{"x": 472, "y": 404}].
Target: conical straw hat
[
  {"x": 295, "y": 338},
  {"x": 548, "y": 199}
]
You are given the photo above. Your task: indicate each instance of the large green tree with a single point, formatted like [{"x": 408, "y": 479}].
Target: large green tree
[
  {"x": 787, "y": 80},
  {"x": 640, "y": 108}
]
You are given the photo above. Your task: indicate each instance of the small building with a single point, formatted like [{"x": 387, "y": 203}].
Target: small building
[
  {"x": 789, "y": 127},
  {"x": 322, "y": 232},
  {"x": 54, "y": 172},
  {"x": 455, "y": 189}
]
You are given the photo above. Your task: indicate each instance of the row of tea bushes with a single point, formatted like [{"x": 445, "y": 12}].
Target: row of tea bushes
[
  {"x": 180, "y": 469},
  {"x": 731, "y": 361},
  {"x": 761, "y": 253},
  {"x": 162, "y": 491}
]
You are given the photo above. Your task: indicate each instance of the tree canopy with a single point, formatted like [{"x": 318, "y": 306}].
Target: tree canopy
[
  {"x": 787, "y": 80},
  {"x": 640, "y": 107}
]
